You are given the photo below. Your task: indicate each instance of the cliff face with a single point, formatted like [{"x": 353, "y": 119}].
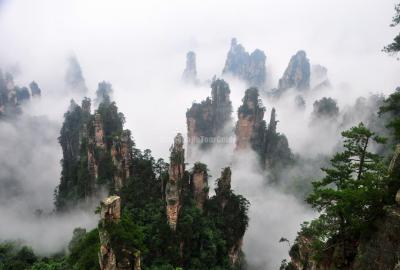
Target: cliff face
[
  {"x": 174, "y": 185},
  {"x": 190, "y": 73},
  {"x": 252, "y": 132},
  {"x": 97, "y": 153},
  {"x": 227, "y": 203},
  {"x": 208, "y": 120},
  {"x": 251, "y": 125},
  {"x": 245, "y": 66},
  {"x": 297, "y": 74},
  {"x": 13, "y": 96},
  {"x": 199, "y": 184},
  {"x": 121, "y": 153},
  {"x": 110, "y": 213}
]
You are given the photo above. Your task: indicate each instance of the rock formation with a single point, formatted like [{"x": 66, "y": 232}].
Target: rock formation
[
  {"x": 74, "y": 77},
  {"x": 110, "y": 212},
  {"x": 252, "y": 132},
  {"x": 247, "y": 67},
  {"x": 228, "y": 210},
  {"x": 173, "y": 188},
  {"x": 297, "y": 74},
  {"x": 223, "y": 189},
  {"x": 251, "y": 125},
  {"x": 199, "y": 184},
  {"x": 121, "y": 153},
  {"x": 98, "y": 131},
  {"x": 13, "y": 96},
  {"x": 190, "y": 73},
  {"x": 36, "y": 91},
  {"x": 97, "y": 153},
  {"x": 325, "y": 108},
  {"x": 104, "y": 92},
  {"x": 208, "y": 121},
  {"x": 319, "y": 78}
]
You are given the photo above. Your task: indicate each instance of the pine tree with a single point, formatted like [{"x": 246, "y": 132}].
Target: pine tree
[{"x": 352, "y": 193}]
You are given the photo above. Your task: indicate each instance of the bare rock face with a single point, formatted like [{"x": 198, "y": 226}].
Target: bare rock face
[
  {"x": 250, "y": 126},
  {"x": 110, "y": 209},
  {"x": 252, "y": 132},
  {"x": 234, "y": 252},
  {"x": 110, "y": 212},
  {"x": 208, "y": 120},
  {"x": 297, "y": 74},
  {"x": 199, "y": 184},
  {"x": 122, "y": 158},
  {"x": 97, "y": 155},
  {"x": 173, "y": 188},
  {"x": 99, "y": 131},
  {"x": 245, "y": 66},
  {"x": 190, "y": 73}
]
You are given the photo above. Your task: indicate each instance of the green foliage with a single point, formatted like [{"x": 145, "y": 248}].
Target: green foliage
[
  {"x": 13, "y": 257},
  {"x": 325, "y": 108},
  {"x": 391, "y": 106},
  {"x": 76, "y": 139},
  {"x": 74, "y": 175},
  {"x": 394, "y": 47},
  {"x": 204, "y": 235},
  {"x": 352, "y": 193},
  {"x": 112, "y": 121},
  {"x": 84, "y": 252},
  {"x": 50, "y": 264},
  {"x": 125, "y": 235}
]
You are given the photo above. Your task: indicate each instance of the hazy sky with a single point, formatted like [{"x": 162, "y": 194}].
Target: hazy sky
[{"x": 140, "y": 47}]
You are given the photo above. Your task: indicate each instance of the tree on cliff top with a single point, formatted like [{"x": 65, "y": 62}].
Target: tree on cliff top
[{"x": 352, "y": 193}]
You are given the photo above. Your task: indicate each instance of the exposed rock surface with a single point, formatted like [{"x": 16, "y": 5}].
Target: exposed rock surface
[
  {"x": 251, "y": 125},
  {"x": 173, "y": 188},
  {"x": 121, "y": 153},
  {"x": 253, "y": 133},
  {"x": 199, "y": 184},
  {"x": 297, "y": 74},
  {"x": 245, "y": 66},
  {"x": 97, "y": 153},
  {"x": 210, "y": 119},
  {"x": 190, "y": 73},
  {"x": 110, "y": 212}
]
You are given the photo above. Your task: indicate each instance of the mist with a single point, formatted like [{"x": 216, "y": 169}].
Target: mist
[{"x": 140, "y": 47}]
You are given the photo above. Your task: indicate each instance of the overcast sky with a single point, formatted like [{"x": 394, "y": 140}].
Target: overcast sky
[{"x": 140, "y": 47}]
